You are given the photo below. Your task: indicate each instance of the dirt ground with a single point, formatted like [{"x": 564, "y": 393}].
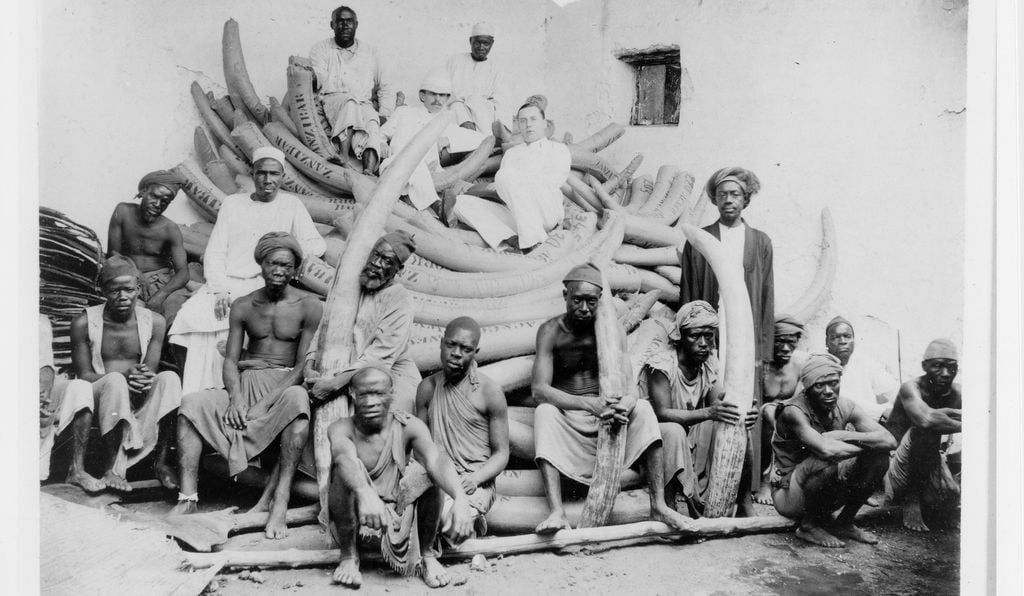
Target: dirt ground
[{"x": 903, "y": 563}]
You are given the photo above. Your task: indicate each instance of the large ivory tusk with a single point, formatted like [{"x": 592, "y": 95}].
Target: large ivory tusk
[
  {"x": 203, "y": 193},
  {"x": 640, "y": 190},
  {"x": 304, "y": 109},
  {"x": 281, "y": 115},
  {"x": 205, "y": 151},
  {"x": 336, "y": 342},
  {"x": 730, "y": 440},
  {"x": 629, "y": 254},
  {"x": 237, "y": 77},
  {"x": 467, "y": 169},
  {"x": 601, "y": 139},
  {"x": 818, "y": 292},
  {"x": 305, "y": 160},
  {"x": 213, "y": 121}
]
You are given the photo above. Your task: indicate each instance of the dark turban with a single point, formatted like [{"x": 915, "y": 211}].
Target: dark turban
[
  {"x": 172, "y": 180},
  {"x": 693, "y": 315},
  {"x": 745, "y": 178},
  {"x": 400, "y": 242},
  {"x": 787, "y": 325},
  {"x": 272, "y": 241},
  {"x": 117, "y": 266},
  {"x": 817, "y": 366},
  {"x": 587, "y": 272},
  {"x": 835, "y": 322},
  {"x": 940, "y": 348}
]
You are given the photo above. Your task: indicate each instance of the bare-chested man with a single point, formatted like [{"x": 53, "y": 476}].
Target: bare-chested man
[
  {"x": 116, "y": 346},
  {"x": 684, "y": 388},
  {"x": 565, "y": 382},
  {"x": 141, "y": 233},
  {"x": 779, "y": 380},
  {"x": 468, "y": 419},
  {"x": 819, "y": 465},
  {"x": 926, "y": 408},
  {"x": 263, "y": 396},
  {"x": 377, "y": 491}
]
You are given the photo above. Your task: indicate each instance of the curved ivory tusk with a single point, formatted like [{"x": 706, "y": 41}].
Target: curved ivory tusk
[
  {"x": 305, "y": 160},
  {"x": 730, "y": 442},
  {"x": 467, "y": 169},
  {"x": 304, "y": 110},
  {"x": 818, "y": 292},
  {"x": 237, "y": 76},
  {"x": 602, "y": 138},
  {"x": 249, "y": 137},
  {"x": 336, "y": 341}
]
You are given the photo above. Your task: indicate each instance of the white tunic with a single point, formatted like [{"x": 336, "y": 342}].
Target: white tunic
[
  {"x": 353, "y": 72},
  {"x": 476, "y": 89},
  {"x": 863, "y": 380},
  {"x": 529, "y": 181}
]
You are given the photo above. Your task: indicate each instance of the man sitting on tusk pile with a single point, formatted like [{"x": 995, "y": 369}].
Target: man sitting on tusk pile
[
  {"x": 528, "y": 182},
  {"x": 348, "y": 72},
  {"x": 819, "y": 465},
  {"x": 565, "y": 382},
  {"x": 263, "y": 396},
  {"x": 202, "y": 323},
  {"x": 435, "y": 91},
  {"x": 383, "y": 325},
  {"x": 468, "y": 419},
  {"x": 141, "y": 233},
  {"x": 683, "y": 386},
  {"x": 477, "y": 83}
]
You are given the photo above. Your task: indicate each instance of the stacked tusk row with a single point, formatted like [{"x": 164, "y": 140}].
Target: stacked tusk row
[{"x": 454, "y": 273}]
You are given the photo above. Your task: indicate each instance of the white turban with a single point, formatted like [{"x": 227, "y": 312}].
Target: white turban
[
  {"x": 268, "y": 153},
  {"x": 482, "y": 29},
  {"x": 437, "y": 81}
]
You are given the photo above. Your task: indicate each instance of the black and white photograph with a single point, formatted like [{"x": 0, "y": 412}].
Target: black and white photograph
[{"x": 518, "y": 296}]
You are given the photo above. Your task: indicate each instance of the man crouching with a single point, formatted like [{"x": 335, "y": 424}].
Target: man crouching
[
  {"x": 376, "y": 492},
  {"x": 262, "y": 396}
]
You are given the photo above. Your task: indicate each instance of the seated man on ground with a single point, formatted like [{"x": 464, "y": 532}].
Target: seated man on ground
[
  {"x": 865, "y": 380},
  {"x": 263, "y": 396},
  {"x": 348, "y": 71},
  {"x": 141, "y": 233},
  {"x": 820, "y": 466},
  {"x": 529, "y": 182},
  {"x": 683, "y": 386},
  {"x": 384, "y": 484},
  {"x": 435, "y": 90},
  {"x": 565, "y": 382},
  {"x": 116, "y": 347},
  {"x": 927, "y": 408},
  {"x": 63, "y": 404},
  {"x": 202, "y": 324},
  {"x": 383, "y": 326},
  {"x": 468, "y": 420},
  {"x": 779, "y": 381},
  {"x": 477, "y": 84}
]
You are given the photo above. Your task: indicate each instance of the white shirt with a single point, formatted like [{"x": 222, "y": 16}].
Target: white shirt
[
  {"x": 241, "y": 222},
  {"x": 863, "y": 380},
  {"x": 476, "y": 79},
  {"x": 530, "y": 182},
  {"x": 353, "y": 71}
]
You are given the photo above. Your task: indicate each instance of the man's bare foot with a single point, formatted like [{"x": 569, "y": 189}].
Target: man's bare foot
[
  {"x": 166, "y": 475},
  {"x": 912, "y": 519},
  {"x": 815, "y": 534},
  {"x": 554, "y": 522},
  {"x": 764, "y": 495},
  {"x": 433, "y": 573},
  {"x": 852, "y": 532},
  {"x": 115, "y": 482},
  {"x": 262, "y": 506},
  {"x": 277, "y": 527},
  {"x": 347, "y": 573},
  {"x": 184, "y": 508},
  {"x": 86, "y": 482},
  {"x": 667, "y": 515}
]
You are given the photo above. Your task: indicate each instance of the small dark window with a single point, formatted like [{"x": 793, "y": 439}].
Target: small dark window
[{"x": 657, "y": 75}]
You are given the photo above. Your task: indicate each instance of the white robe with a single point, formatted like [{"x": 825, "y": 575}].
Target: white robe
[
  {"x": 476, "y": 89},
  {"x": 530, "y": 182}
]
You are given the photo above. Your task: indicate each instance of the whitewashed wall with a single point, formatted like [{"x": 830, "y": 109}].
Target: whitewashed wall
[{"x": 858, "y": 106}]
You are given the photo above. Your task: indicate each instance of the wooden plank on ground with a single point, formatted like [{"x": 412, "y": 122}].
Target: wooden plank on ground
[{"x": 85, "y": 552}]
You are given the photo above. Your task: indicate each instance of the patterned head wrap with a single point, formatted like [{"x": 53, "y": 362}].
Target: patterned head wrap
[
  {"x": 817, "y": 366},
  {"x": 272, "y": 241},
  {"x": 693, "y": 315}
]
